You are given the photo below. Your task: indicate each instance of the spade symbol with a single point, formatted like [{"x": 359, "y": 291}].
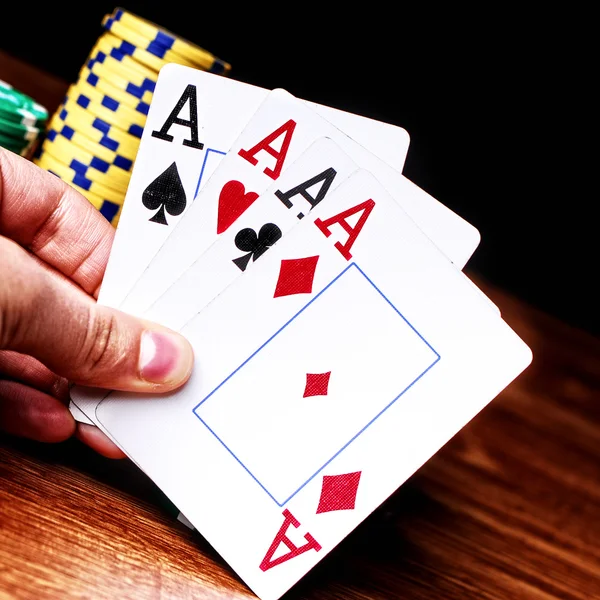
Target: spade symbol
[
  {"x": 255, "y": 245},
  {"x": 165, "y": 193}
]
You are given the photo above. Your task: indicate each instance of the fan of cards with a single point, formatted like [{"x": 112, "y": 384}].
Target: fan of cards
[{"x": 337, "y": 343}]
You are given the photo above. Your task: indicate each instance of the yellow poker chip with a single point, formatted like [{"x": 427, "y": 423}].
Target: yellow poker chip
[
  {"x": 135, "y": 38},
  {"x": 115, "y": 61},
  {"x": 84, "y": 131},
  {"x": 139, "y": 54},
  {"x": 104, "y": 93},
  {"x": 163, "y": 38},
  {"x": 58, "y": 127},
  {"x": 86, "y": 164},
  {"x": 106, "y": 180},
  {"x": 99, "y": 76},
  {"x": 71, "y": 110},
  {"x": 66, "y": 173},
  {"x": 120, "y": 62},
  {"x": 130, "y": 81},
  {"x": 123, "y": 118},
  {"x": 112, "y": 46},
  {"x": 111, "y": 83}
]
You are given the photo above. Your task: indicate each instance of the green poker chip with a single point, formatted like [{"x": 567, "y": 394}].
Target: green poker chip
[
  {"x": 14, "y": 145},
  {"x": 17, "y": 107},
  {"x": 18, "y": 130},
  {"x": 10, "y": 139},
  {"x": 20, "y": 117}
]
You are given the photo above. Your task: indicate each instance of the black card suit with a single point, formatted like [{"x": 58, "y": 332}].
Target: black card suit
[
  {"x": 165, "y": 193},
  {"x": 255, "y": 245}
]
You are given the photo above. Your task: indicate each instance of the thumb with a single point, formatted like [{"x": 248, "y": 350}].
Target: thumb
[{"x": 56, "y": 322}]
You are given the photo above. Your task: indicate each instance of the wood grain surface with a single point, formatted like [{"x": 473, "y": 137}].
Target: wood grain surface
[{"x": 509, "y": 509}]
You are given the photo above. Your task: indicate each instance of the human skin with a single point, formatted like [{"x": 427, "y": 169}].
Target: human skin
[{"x": 54, "y": 247}]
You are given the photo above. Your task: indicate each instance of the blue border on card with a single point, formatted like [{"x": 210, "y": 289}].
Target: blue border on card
[
  {"x": 208, "y": 151},
  {"x": 437, "y": 358}
]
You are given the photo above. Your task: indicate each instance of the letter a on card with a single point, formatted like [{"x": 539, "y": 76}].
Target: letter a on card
[
  {"x": 268, "y": 562},
  {"x": 364, "y": 208},
  {"x": 279, "y": 155}
]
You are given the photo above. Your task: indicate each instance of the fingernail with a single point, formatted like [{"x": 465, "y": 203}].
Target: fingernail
[{"x": 164, "y": 357}]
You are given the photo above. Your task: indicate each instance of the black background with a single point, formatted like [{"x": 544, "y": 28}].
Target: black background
[{"x": 498, "y": 103}]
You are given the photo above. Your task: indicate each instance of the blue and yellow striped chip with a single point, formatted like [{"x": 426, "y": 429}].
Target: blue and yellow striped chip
[
  {"x": 106, "y": 82},
  {"x": 117, "y": 61},
  {"x": 144, "y": 81},
  {"x": 103, "y": 93},
  {"x": 66, "y": 173},
  {"x": 85, "y": 163},
  {"x": 129, "y": 81},
  {"x": 207, "y": 62},
  {"x": 128, "y": 121},
  {"x": 160, "y": 39},
  {"x": 108, "y": 42},
  {"x": 58, "y": 127},
  {"x": 120, "y": 115},
  {"x": 76, "y": 116},
  {"x": 127, "y": 55},
  {"x": 80, "y": 128},
  {"x": 109, "y": 181}
]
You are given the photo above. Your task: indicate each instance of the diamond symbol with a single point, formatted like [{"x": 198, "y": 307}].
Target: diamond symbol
[
  {"x": 316, "y": 384},
  {"x": 338, "y": 492},
  {"x": 296, "y": 276}
]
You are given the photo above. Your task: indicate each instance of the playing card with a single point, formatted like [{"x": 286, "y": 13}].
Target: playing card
[
  {"x": 193, "y": 120},
  {"x": 280, "y": 130},
  {"x": 324, "y": 377},
  {"x": 79, "y": 415},
  {"x": 317, "y": 171},
  {"x": 305, "y": 183}
]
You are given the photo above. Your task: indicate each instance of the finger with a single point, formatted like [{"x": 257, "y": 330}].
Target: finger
[
  {"x": 27, "y": 412},
  {"x": 45, "y": 215},
  {"x": 95, "y": 439},
  {"x": 76, "y": 338},
  {"x": 33, "y": 373}
]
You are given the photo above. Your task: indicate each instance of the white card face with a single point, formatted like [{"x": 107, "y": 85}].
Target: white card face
[
  {"x": 313, "y": 175},
  {"x": 186, "y": 304},
  {"x": 324, "y": 377},
  {"x": 305, "y": 183},
  {"x": 191, "y": 108},
  {"x": 223, "y": 107},
  {"x": 281, "y": 129},
  {"x": 79, "y": 415}
]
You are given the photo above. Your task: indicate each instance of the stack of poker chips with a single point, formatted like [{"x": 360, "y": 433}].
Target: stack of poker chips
[
  {"x": 22, "y": 120},
  {"x": 92, "y": 139}
]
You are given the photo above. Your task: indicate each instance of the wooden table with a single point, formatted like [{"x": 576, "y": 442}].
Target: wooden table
[{"x": 509, "y": 509}]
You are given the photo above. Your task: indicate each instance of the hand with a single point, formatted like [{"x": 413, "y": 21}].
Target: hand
[{"x": 54, "y": 246}]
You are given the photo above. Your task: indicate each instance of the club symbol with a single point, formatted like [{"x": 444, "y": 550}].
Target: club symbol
[
  {"x": 165, "y": 193},
  {"x": 255, "y": 245}
]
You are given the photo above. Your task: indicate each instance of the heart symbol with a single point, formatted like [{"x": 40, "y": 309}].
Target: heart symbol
[{"x": 233, "y": 201}]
